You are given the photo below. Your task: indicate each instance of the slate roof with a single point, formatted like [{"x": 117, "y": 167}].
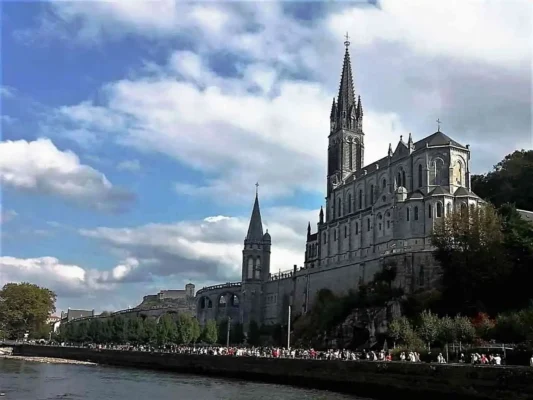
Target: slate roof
[
  {"x": 255, "y": 230},
  {"x": 436, "y": 139}
]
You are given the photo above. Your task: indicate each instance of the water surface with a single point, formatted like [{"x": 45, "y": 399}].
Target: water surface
[{"x": 25, "y": 380}]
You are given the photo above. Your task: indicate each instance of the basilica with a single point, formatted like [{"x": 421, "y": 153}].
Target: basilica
[{"x": 375, "y": 214}]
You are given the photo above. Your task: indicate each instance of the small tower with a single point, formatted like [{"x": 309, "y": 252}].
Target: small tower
[
  {"x": 255, "y": 266},
  {"x": 189, "y": 290}
]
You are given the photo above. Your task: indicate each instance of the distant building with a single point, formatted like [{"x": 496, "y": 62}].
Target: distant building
[
  {"x": 71, "y": 314},
  {"x": 183, "y": 295}
]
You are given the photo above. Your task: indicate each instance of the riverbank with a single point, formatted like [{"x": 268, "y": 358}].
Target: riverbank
[
  {"x": 48, "y": 360},
  {"x": 376, "y": 380}
]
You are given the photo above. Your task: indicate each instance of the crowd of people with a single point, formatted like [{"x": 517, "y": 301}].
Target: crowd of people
[{"x": 302, "y": 353}]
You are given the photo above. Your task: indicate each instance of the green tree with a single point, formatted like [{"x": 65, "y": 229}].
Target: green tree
[
  {"x": 210, "y": 332},
  {"x": 237, "y": 334},
  {"x": 470, "y": 248},
  {"x": 185, "y": 328},
  {"x": 24, "y": 307},
  {"x": 254, "y": 334},
  {"x": 119, "y": 332},
  {"x": 150, "y": 331},
  {"x": 464, "y": 329},
  {"x": 166, "y": 331},
  {"x": 196, "y": 330},
  {"x": 395, "y": 330},
  {"x": 509, "y": 182},
  {"x": 447, "y": 330},
  {"x": 428, "y": 328}
]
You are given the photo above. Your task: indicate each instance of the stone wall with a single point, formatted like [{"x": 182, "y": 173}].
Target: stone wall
[{"x": 367, "y": 379}]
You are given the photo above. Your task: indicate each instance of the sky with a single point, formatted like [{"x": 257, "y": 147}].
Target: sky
[{"x": 133, "y": 132}]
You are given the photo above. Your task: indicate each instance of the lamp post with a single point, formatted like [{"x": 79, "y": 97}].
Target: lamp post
[
  {"x": 227, "y": 333},
  {"x": 289, "y": 330}
]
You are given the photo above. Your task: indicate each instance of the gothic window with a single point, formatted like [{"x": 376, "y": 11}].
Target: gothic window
[
  {"x": 357, "y": 228},
  {"x": 399, "y": 180},
  {"x": 258, "y": 268},
  {"x": 349, "y": 202},
  {"x": 463, "y": 208},
  {"x": 408, "y": 215},
  {"x": 371, "y": 194},
  {"x": 350, "y": 146},
  {"x": 368, "y": 224},
  {"x": 429, "y": 211},
  {"x": 325, "y": 238},
  {"x": 403, "y": 179},
  {"x": 388, "y": 224},
  {"x": 458, "y": 173},
  {"x": 345, "y": 231},
  {"x": 436, "y": 173},
  {"x": 439, "y": 210},
  {"x": 234, "y": 300},
  {"x": 416, "y": 213},
  {"x": 250, "y": 268},
  {"x": 384, "y": 183},
  {"x": 360, "y": 198},
  {"x": 420, "y": 176},
  {"x": 339, "y": 205},
  {"x": 334, "y": 234},
  {"x": 380, "y": 226},
  {"x": 448, "y": 208}
]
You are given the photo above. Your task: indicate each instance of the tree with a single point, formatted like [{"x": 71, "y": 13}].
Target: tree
[
  {"x": 470, "y": 248},
  {"x": 395, "y": 330},
  {"x": 509, "y": 182},
  {"x": 24, "y": 307},
  {"x": 465, "y": 331},
  {"x": 428, "y": 328},
  {"x": 167, "y": 331},
  {"x": 210, "y": 332},
  {"x": 254, "y": 334},
  {"x": 447, "y": 330},
  {"x": 185, "y": 329},
  {"x": 237, "y": 334},
  {"x": 196, "y": 330},
  {"x": 483, "y": 326},
  {"x": 150, "y": 331}
]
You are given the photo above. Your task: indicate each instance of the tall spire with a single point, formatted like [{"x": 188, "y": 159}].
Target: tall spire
[
  {"x": 255, "y": 230},
  {"x": 346, "y": 101}
]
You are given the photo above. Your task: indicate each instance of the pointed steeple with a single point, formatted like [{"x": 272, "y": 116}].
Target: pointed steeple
[
  {"x": 346, "y": 99},
  {"x": 255, "y": 230},
  {"x": 333, "y": 111},
  {"x": 321, "y": 216},
  {"x": 309, "y": 229}
]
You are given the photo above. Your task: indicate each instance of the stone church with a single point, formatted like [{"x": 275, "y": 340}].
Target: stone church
[{"x": 375, "y": 213}]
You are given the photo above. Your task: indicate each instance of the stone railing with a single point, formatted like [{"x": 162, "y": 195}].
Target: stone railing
[
  {"x": 289, "y": 273},
  {"x": 221, "y": 286}
]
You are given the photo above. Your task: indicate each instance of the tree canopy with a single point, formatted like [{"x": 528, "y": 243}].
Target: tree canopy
[
  {"x": 24, "y": 308},
  {"x": 509, "y": 181}
]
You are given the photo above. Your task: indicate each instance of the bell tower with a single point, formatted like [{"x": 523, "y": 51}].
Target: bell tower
[{"x": 346, "y": 137}]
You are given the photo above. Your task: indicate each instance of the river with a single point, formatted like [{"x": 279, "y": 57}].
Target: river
[{"x": 26, "y": 380}]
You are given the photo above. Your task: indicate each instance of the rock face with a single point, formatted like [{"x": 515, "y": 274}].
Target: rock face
[{"x": 363, "y": 326}]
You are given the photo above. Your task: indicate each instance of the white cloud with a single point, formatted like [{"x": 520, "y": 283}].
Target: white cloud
[
  {"x": 207, "y": 250},
  {"x": 40, "y": 167},
  {"x": 129, "y": 165}
]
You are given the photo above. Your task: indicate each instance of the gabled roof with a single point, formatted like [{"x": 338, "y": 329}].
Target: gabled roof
[
  {"x": 462, "y": 191},
  {"x": 416, "y": 195}
]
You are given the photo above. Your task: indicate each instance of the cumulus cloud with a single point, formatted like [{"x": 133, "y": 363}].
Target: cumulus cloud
[
  {"x": 268, "y": 119},
  {"x": 40, "y": 167},
  {"x": 208, "y": 250},
  {"x": 6, "y": 215}
]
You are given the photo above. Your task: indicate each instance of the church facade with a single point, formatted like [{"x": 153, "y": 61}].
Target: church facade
[{"x": 376, "y": 214}]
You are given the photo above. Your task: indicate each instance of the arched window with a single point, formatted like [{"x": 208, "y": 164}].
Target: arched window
[
  {"x": 436, "y": 173},
  {"x": 439, "y": 210},
  {"x": 250, "y": 268},
  {"x": 399, "y": 180},
  {"x": 368, "y": 224},
  {"x": 420, "y": 176},
  {"x": 371, "y": 194},
  {"x": 463, "y": 208},
  {"x": 357, "y": 228},
  {"x": 339, "y": 204},
  {"x": 429, "y": 210},
  {"x": 384, "y": 183},
  {"x": 334, "y": 234},
  {"x": 408, "y": 214},
  {"x": 388, "y": 224},
  {"x": 258, "y": 268},
  {"x": 403, "y": 179},
  {"x": 349, "y": 202},
  {"x": 222, "y": 302},
  {"x": 416, "y": 213},
  {"x": 345, "y": 231},
  {"x": 360, "y": 198},
  {"x": 448, "y": 208},
  {"x": 458, "y": 173}
]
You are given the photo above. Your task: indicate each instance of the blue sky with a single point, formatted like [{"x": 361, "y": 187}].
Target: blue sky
[{"x": 133, "y": 132}]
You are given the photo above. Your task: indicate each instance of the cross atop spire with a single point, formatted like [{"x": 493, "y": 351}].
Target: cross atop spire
[
  {"x": 256, "y": 188},
  {"x": 347, "y": 40},
  {"x": 255, "y": 229}
]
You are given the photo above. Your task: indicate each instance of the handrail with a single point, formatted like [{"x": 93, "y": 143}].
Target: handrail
[{"x": 220, "y": 286}]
